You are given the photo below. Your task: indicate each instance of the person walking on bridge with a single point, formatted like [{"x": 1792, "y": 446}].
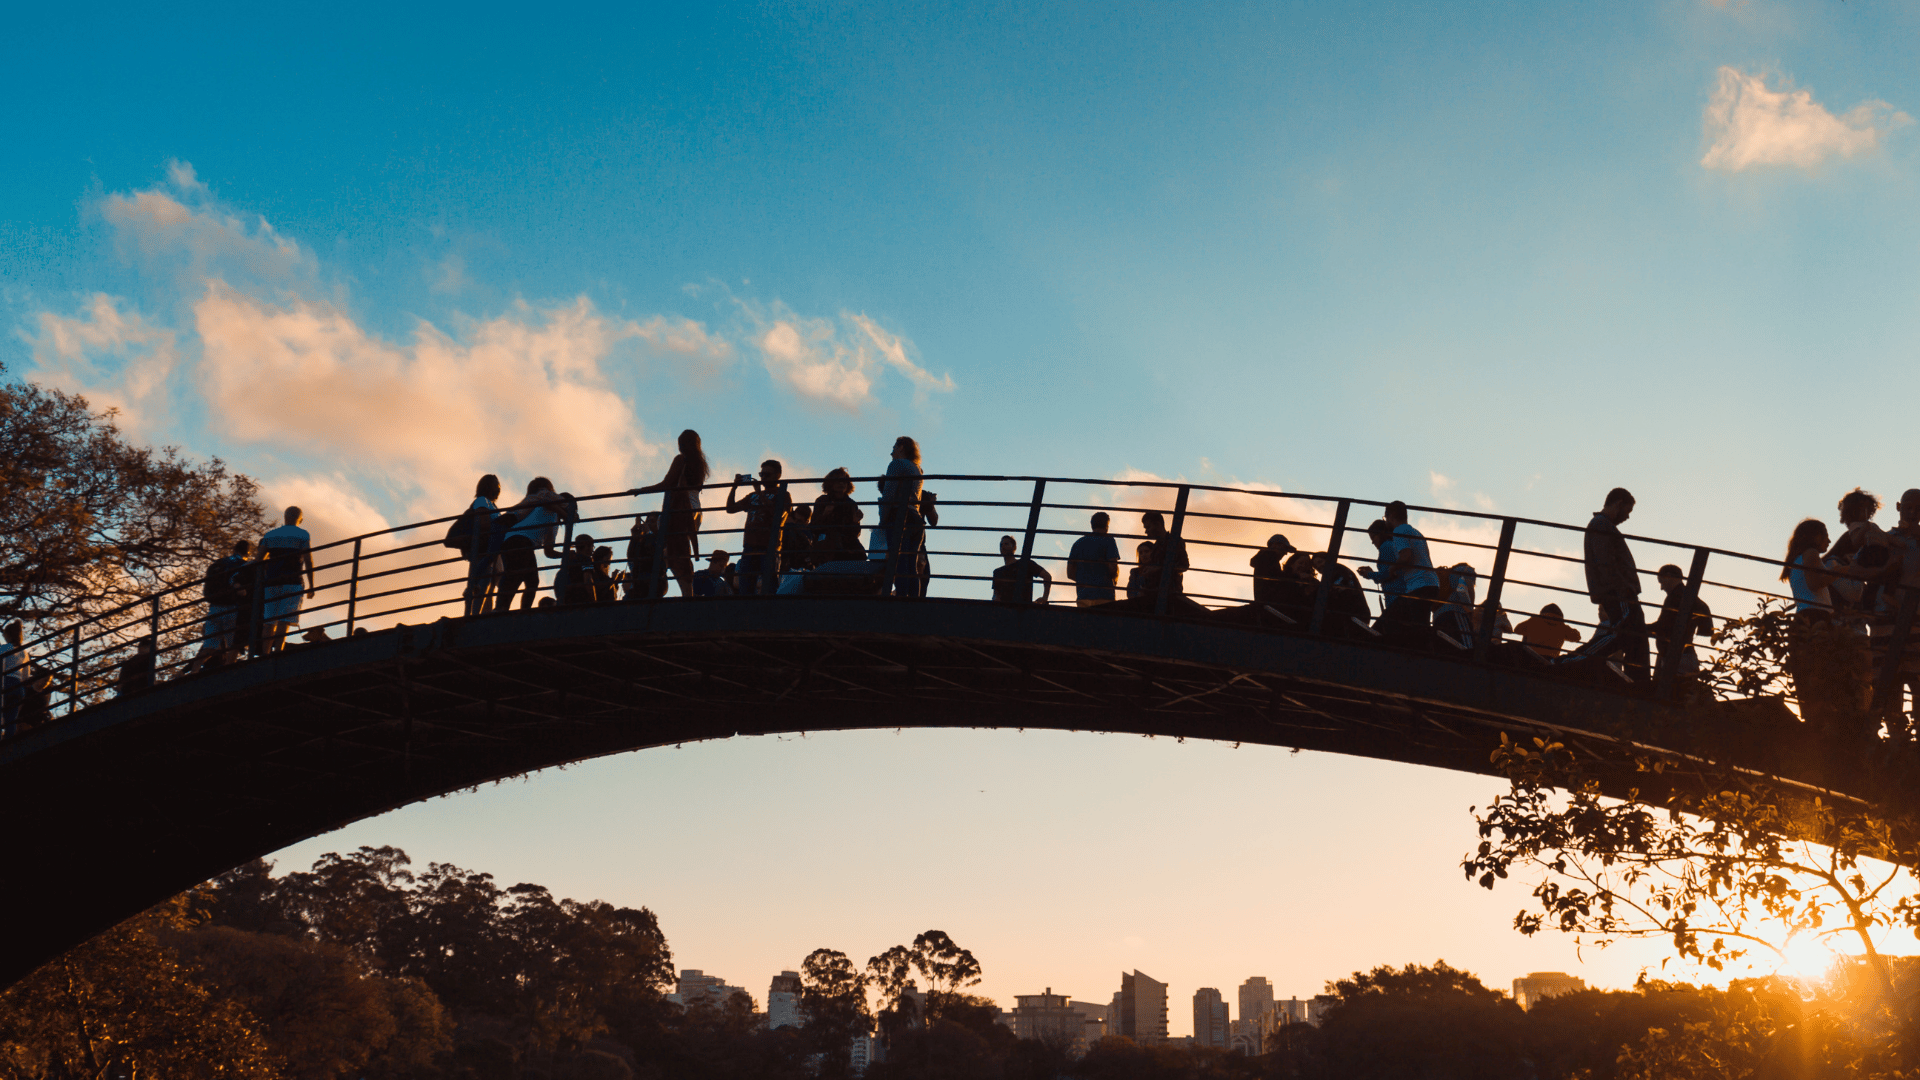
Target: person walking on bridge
[{"x": 1613, "y": 582}]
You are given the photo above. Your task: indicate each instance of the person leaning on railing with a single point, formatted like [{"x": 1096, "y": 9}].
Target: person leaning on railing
[{"x": 537, "y": 519}]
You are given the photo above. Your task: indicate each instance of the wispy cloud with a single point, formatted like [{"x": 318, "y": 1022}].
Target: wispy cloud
[
  {"x": 834, "y": 363},
  {"x": 1748, "y": 125},
  {"x": 70, "y": 353}
]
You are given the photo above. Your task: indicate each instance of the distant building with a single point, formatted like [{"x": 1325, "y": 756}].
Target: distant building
[
  {"x": 1139, "y": 1010},
  {"x": 866, "y": 1051},
  {"x": 1317, "y": 1008},
  {"x": 1094, "y": 1025},
  {"x": 1051, "y": 1018},
  {"x": 783, "y": 1000},
  {"x": 1256, "y": 999},
  {"x": 1209, "y": 1018},
  {"x": 1247, "y": 1037},
  {"x": 1291, "y": 1011},
  {"x": 696, "y": 987},
  {"x": 1542, "y": 985}
]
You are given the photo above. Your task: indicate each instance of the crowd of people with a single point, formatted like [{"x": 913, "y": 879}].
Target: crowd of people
[{"x": 1843, "y": 590}]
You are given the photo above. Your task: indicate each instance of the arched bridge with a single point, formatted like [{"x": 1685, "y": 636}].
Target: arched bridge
[{"x": 118, "y": 802}]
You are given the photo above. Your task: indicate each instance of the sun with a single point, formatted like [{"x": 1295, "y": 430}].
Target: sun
[{"x": 1807, "y": 958}]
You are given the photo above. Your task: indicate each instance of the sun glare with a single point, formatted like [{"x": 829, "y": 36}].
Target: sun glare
[{"x": 1807, "y": 958}]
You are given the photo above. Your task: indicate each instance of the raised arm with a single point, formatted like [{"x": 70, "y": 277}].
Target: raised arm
[{"x": 672, "y": 480}]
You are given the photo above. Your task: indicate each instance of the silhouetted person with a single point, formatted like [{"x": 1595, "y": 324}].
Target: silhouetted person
[
  {"x": 680, "y": 509},
  {"x": 1613, "y": 582},
  {"x": 1405, "y": 572},
  {"x": 483, "y": 562},
  {"x": 717, "y": 578},
  {"x": 1169, "y": 554},
  {"x": 536, "y": 523},
  {"x": 642, "y": 549},
  {"x": 36, "y": 702},
  {"x": 900, "y": 518},
  {"x": 573, "y": 582},
  {"x": 1674, "y": 583},
  {"x": 605, "y": 580},
  {"x": 1141, "y": 579},
  {"x": 796, "y": 552},
  {"x": 1456, "y": 616},
  {"x": 1346, "y": 597},
  {"x": 766, "y": 508},
  {"x": 929, "y": 519},
  {"x": 1901, "y": 576},
  {"x": 1093, "y": 564},
  {"x": 286, "y": 555},
  {"x": 1805, "y": 570},
  {"x": 836, "y": 521},
  {"x": 14, "y": 661},
  {"x": 1547, "y": 633},
  {"x": 136, "y": 671},
  {"x": 1269, "y": 573},
  {"x": 225, "y": 597},
  {"x": 1013, "y": 579},
  {"x": 1293, "y": 591}
]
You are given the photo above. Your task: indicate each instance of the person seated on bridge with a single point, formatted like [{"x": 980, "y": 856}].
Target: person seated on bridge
[
  {"x": 137, "y": 671},
  {"x": 286, "y": 554},
  {"x": 1547, "y": 632},
  {"x": 1613, "y": 584},
  {"x": 573, "y": 582},
  {"x": 766, "y": 507},
  {"x": 1170, "y": 563},
  {"x": 1455, "y": 618},
  {"x": 642, "y": 555},
  {"x": 1013, "y": 579},
  {"x": 224, "y": 596},
  {"x": 836, "y": 521},
  {"x": 1674, "y": 584},
  {"x": 536, "y": 524},
  {"x": 1093, "y": 564},
  {"x": 1141, "y": 580},
  {"x": 796, "y": 548},
  {"x": 1346, "y": 597},
  {"x": 605, "y": 579},
  {"x": 717, "y": 578},
  {"x": 1269, "y": 576}
]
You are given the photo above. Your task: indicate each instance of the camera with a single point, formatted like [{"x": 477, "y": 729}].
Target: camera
[{"x": 742, "y": 478}]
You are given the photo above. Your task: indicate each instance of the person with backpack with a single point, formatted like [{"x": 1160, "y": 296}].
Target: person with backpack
[
  {"x": 471, "y": 534},
  {"x": 225, "y": 598}
]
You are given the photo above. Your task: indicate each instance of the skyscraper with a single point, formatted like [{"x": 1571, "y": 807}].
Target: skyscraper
[
  {"x": 783, "y": 1000},
  {"x": 1209, "y": 1018},
  {"x": 1140, "y": 1009},
  {"x": 1256, "y": 1000},
  {"x": 1049, "y": 1017}
]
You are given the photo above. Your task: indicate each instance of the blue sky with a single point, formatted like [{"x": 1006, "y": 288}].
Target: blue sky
[{"x": 1495, "y": 254}]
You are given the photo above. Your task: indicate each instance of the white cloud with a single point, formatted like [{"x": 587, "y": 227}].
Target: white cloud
[
  {"x": 524, "y": 393},
  {"x": 72, "y": 354},
  {"x": 828, "y": 365},
  {"x": 184, "y": 231},
  {"x": 1749, "y": 125}
]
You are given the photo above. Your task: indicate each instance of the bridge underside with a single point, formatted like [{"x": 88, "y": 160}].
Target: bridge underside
[{"x": 131, "y": 801}]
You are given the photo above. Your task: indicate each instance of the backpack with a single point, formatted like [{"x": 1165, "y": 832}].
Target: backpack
[
  {"x": 220, "y": 586},
  {"x": 460, "y": 532}
]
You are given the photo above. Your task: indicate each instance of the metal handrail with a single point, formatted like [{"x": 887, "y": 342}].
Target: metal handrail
[{"x": 165, "y": 614}]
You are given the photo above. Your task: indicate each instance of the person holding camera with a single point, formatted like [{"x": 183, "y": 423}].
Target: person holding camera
[{"x": 766, "y": 507}]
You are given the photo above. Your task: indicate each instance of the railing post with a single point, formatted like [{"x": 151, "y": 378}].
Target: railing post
[
  {"x": 353, "y": 588},
  {"x": 73, "y": 673},
  {"x": 1886, "y": 689},
  {"x": 1483, "y": 636},
  {"x": 655, "y": 579},
  {"x": 1325, "y": 591},
  {"x": 1173, "y": 532},
  {"x": 1680, "y": 634},
  {"x": 1033, "y": 527}
]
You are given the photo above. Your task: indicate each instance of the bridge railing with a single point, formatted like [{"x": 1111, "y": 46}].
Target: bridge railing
[{"x": 371, "y": 582}]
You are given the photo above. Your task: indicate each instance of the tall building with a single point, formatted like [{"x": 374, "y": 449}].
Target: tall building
[
  {"x": 1256, "y": 999},
  {"x": 1049, "y": 1017},
  {"x": 697, "y": 987},
  {"x": 783, "y": 1000},
  {"x": 1291, "y": 1011},
  {"x": 1542, "y": 985},
  {"x": 1140, "y": 1009},
  {"x": 866, "y": 1051},
  {"x": 1209, "y": 1018},
  {"x": 1094, "y": 1023}
]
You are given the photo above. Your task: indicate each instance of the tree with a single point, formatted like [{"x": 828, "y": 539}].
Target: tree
[
  {"x": 833, "y": 997},
  {"x": 1433, "y": 1022},
  {"x": 91, "y": 521},
  {"x": 123, "y": 1005}
]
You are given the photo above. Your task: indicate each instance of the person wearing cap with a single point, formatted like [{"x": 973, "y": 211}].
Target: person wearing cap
[{"x": 1269, "y": 584}]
